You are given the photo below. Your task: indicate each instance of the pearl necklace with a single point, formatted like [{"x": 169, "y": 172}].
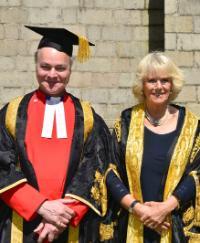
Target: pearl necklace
[{"x": 156, "y": 122}]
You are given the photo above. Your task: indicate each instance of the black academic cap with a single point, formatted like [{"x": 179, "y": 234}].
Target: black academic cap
[{"x": 63, "y": 40}]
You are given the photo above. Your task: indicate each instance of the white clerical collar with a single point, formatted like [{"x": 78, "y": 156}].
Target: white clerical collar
[{"x": 54, "y": 108}]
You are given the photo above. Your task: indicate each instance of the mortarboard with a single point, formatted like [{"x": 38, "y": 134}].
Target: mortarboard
[{"x": 63, "y": 40}]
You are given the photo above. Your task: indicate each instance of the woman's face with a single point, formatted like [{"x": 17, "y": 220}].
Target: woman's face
[{"x": 157, "y": 87}]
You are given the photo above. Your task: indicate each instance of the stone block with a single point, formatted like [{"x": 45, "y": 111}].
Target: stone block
[
  {"x": 25, "y": 63},
  {"x": 170, "y": 41},
  {"x": 126, "y": 80},
  {"x": 127, "y": 17},
  {"x": 10, "y": 3},
  {"x": 94, "y": 32},
  {"x": 44, "y": 16},
  {"x": 51, "y": 3},
  {"x": 69, "y": 16},
  {"x": 11, "y": 31},
  {"x": 145, "y": 17},
  {"x": 134, "y": 4},
  {"x": 171, "y": 7},
  {"x": 188, "y": 94},
  {"x": 96, "y": 95},
  {"x": 94, "y": 65},
  {"x": 105, "y": 80},
  {"x": 188, "y": 42},
  {"x": 120, "y": 65},
  {"x": 120, "y": 95},
  {"x": 8, "y": 93},
  {"x": 117, "y": 33},
  {"x": 111, "y": 4},
  {"x": 194, "y": 107},
  {"x": 191, "y": 7},
  {"x": 13, "y": 15},
  {"x": 196, "y": 24},
  {"x": 181, "y": 58},
  {"x": 141, "y": 33},
  {"x": 2, "y": 32},
  {"x": 105, "y": 49},
  {"x": 7, "y": 64},
  {"x": 197, "y": 59},
  {"x": 191, "y": 76},
  {"x": 179, "y": 24},
  {"x": 95, "y": 17},
  {"x": 8, "y": 47},
  {"x": 80, "y": 80}
]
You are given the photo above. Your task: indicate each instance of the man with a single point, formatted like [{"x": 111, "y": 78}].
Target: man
[{"x": 53, "y": 154}]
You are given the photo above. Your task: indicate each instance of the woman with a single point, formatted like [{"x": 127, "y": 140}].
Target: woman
[{"x": 152, "y": 150}]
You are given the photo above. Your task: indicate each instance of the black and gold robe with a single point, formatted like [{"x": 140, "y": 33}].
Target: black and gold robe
[
  {"x": 88, "y": 162},
  {"x": 128, "y": 142}
]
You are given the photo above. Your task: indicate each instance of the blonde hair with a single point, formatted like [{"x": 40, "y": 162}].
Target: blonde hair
[{"x": 154, "y": 62}]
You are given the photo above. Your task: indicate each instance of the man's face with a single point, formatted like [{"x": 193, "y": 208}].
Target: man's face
[{"x": 53, "y": 69}]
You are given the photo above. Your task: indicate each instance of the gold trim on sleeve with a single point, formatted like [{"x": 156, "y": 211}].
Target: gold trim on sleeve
[
  {"x": 13, "y": 185},
  {"x": 84, "y": 201}
]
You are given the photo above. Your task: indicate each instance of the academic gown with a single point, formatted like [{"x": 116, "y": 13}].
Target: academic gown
[
  {"x": 128, "y": 148},
  {"x": 73, "y": 177}
]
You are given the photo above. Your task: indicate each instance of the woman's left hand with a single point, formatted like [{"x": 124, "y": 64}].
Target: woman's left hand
[{"x": 159, "y": 212}]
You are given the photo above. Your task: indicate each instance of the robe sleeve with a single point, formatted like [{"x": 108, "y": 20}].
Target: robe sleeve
[
  {"x": 18, "y": 198},
  {"x": 80, "y": 210},
  {"x": 14, "y": 190},
  {"x": 88, "y": 183}
]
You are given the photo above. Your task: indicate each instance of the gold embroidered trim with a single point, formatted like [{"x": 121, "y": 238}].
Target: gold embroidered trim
[
  {"x": 195, "y": 149},
  {"x": 12, "y": 185},
  {"x": 73, "y": 234},
  {"x": 179, "y": 159},
  {"x": 11, "y": 115},
  {"x": 188, "y": 215},
  {"x": 106, "y": 231},
  {"x": 16, "y": 228},
  {"x": 117, "y": 128},
  {"x": 10, "y": 122},
  {"x": 85, "y": 202},
  {"x": 95, "y": 190},
  {"x": 134, "y": 152},
  {"x": 88, "y": 118}
]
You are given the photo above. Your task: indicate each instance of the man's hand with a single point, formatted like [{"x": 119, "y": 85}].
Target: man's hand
[
  {"x": 56, "y": 212},
  {"x": 47, "y": 231}
]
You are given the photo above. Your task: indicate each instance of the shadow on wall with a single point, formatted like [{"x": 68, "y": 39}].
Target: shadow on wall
[{"x": 156, "y": 25}]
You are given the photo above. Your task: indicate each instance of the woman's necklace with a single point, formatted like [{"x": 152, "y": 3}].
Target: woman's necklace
[{"x": 156, "y": 122}]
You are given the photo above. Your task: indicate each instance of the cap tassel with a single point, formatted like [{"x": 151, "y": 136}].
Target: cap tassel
[{"x": 83, "y": 50}]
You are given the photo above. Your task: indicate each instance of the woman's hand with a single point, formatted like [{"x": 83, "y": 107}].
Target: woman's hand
[{"x": 158, "y": 213}]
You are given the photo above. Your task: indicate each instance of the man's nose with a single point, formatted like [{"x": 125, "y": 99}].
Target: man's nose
[{"x": 52, "y": 73}]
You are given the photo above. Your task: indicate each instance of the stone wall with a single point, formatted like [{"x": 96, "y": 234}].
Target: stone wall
[
  {"x": 182, "y": 43},
  {"x": 123, "y": 32}
]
